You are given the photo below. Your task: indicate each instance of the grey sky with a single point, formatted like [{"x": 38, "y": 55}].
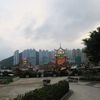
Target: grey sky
[{"x": 44, "y": 24}]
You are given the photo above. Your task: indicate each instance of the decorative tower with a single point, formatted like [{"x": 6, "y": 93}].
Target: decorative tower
[{"x": 60, "y": 56}]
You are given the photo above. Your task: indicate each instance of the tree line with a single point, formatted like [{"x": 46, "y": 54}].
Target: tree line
[{"x": 92, "y": 46}]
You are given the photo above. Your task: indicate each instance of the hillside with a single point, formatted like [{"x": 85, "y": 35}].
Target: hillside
[{"x": 7, "y": 62}]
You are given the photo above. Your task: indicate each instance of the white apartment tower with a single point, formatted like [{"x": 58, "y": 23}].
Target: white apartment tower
[{"x": 16, "y": 57}]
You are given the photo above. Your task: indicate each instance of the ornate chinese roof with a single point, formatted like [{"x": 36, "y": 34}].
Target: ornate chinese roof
[{"x": 60, "y": 52}]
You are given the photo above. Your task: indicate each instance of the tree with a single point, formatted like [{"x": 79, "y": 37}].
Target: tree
[{"x": 92, "y": 46}]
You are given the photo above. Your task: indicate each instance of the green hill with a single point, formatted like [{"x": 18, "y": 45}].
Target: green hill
[{"x": 7, "y": 62}]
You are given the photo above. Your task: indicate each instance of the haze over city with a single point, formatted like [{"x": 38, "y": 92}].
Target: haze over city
[{"x": 44, "y": 24}]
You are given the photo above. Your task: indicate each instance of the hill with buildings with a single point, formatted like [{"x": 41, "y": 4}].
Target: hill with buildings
[{"x": 74, "y": 56}]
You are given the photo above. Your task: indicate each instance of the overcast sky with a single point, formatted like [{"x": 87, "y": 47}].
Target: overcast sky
[{"x": 44, "y": 24}]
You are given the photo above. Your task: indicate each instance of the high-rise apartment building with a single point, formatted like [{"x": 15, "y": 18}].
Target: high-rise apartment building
[
  {"x": 30, "y": 54},
  {"x": 51, "y": 56},
  {"x": 43, "y": 57},
  {"x": 16, "y": 57},
  {"x": 69, "y": 56},
  {"x": 83, "y": 57},
  {"x": 76, "y": 56}
]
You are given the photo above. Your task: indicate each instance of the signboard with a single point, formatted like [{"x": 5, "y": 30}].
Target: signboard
[
  {"x": 59, "y": 55},
  {"x": 61, "y": 60}
]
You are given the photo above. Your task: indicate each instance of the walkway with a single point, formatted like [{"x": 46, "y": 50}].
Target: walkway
[
  {"x": 85, "y": 91},
  {"x": 24, "y": 85}
]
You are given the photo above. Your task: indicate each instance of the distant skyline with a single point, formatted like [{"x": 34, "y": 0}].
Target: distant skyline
[{"x": 44, "y": 24}]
